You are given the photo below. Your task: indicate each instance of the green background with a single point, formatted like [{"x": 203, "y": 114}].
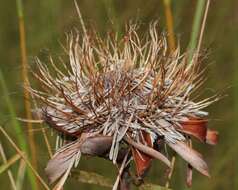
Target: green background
[{"x": 47, "y": 21}]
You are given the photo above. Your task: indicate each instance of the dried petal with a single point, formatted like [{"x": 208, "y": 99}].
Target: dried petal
[
  {"x": 149, "y": 151},
  {"x": 142, "y": 161},
  {"x": 212, "y": 137},
  {"x": 191, "y": 156},
  {"x": 96, "y": 146},
  {"x": 195, "y": 127},
  {"x": 61, "y": 161}
]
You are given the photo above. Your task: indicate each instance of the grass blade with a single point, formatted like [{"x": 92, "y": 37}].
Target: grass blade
[
  {"x": 21, "y": 175},
  {"x": 9, "y": 163},
  {"x": 196, "y": 27},
  {"x": 4, "y": 158},
  {"x": 24, "y": 158}
]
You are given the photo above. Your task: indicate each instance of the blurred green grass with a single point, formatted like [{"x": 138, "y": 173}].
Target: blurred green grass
[{"x": 46, "y": 22}]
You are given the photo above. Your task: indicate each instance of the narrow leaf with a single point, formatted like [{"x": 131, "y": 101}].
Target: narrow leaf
[
  {"x": 191, "y": 156},
  {"x": 149, "y": 151}
]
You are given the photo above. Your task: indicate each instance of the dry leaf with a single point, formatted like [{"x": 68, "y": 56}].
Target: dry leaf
[
  {"x": 142, "y": 161},
  {"x": 94, "y": 146},
  {"x": 61, "y": 161},
  {"x": 191, "y": 156},
  {"x": 196, "y": 128},
  {"x": 212, "y": 137}
]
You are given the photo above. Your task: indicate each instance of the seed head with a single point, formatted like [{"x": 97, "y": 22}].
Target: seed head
[{"x": 123, "y": 98}]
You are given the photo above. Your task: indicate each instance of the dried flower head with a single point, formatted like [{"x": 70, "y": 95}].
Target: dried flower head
[{"x": 123, "y": 99}]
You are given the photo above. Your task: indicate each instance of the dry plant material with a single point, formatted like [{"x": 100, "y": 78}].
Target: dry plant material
[{"x": 127, "y": 93}]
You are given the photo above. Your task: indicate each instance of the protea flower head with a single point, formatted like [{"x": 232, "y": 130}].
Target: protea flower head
[{"x": 123, "y": 99}]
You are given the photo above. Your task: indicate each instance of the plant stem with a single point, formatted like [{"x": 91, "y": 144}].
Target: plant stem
[
  {"x": 24, "y": 65},
  {"x": 196, "y": 28},
  {"x": 25, "y": 80},
  {"x": 99, "y": 180},
  {"x": 170, "y": 25},
  {"x": 202, "y": 28},
  {"x": 111, "y": 12}
]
